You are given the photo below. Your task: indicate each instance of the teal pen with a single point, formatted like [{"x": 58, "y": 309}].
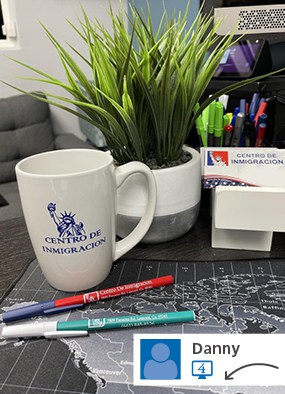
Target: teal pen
[
  {"x": 72, "y": 328},
  {"x": 218, "y": 124}
]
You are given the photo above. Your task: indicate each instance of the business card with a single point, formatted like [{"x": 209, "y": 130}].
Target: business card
[{"x": 243, "y": 167}]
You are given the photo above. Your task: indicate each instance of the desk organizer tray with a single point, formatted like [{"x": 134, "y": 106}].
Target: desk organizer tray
[{"x": 248, "y": 194}]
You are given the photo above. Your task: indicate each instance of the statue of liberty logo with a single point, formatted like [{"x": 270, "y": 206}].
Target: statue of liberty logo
[{"x": 65, "y": 223}]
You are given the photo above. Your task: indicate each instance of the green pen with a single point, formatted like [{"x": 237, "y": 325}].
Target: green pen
[
  {"x": 200, "y": 126},
  {"x": 205, "y": 116},
  {"x": 218, "y": 126},
  {"x": 211, "y": 123},
  {"x": 226, "y": 121},
  {"x": 72, "y": 328}
]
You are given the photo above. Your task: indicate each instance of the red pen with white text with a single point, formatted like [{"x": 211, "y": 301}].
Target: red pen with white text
[{"x": 66, "y": 304}]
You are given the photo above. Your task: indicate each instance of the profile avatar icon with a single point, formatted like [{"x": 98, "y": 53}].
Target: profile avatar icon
[
  {"x": 161, "y": 366},
  {"x": 65, "y": 223}
]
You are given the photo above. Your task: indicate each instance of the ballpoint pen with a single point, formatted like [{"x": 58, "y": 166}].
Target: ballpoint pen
[
  {"x": 230, "y": 115},
  {"x": 236, "y": 111},
  {"x": 242, "y": 106},
  {"x": 260, "y": 134},
  {"x": 237, "y": 129},
  {"x": 224, "y": 99},
  {"x": 272, "y": 119},
  {"x": 205, "y": 117},
  {"x": 211, "y": 123},
  {"x": 226, "y": 120},
  {"x": 254, "y": 105},
  {"x": 218, "y": 124},
  {"x": 262, "y": 100},
  {"x": 77, "y": 301},
  {"x": 228, "y": 129},
  {"x": 200, "y": 126},
  {"x": 262, "y": 118},
  {"x": 201, "y": 131},
  {"x": 233, "y": 120},
  {"x": 54, "y": 329},
  {"x": 249, "y": 132},
  {"x": 261, "y": 110}
]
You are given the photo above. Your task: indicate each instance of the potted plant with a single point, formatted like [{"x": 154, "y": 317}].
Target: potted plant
[{"x": 143, "y": 93}]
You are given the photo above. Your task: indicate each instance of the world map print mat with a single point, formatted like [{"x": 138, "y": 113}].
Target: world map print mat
[{"x": 227, "y": 297}]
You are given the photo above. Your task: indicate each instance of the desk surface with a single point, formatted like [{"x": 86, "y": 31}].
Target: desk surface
[
  {"x": 227, "y": 297},
  {"x": 16, "y": 249},
  {"x": 195, "y": 245},
  {"x": 84, "y": 365}
]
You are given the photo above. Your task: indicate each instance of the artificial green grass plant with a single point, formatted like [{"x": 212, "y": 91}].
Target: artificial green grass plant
[{"x": 143, "y": 84}]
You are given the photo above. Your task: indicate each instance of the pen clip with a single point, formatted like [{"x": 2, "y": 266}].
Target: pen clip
[{"x": 67, "y": 333}]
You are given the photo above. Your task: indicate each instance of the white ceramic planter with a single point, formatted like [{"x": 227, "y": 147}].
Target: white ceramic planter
[{"x": 178, "y": 201}]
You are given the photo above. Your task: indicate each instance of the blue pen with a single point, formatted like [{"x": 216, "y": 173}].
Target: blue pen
[
  {"x": 242, "y": 106},
  {"x": 233, "y": 120},
  {"x": 254, "y": 104},
  {"x": 261, "y": 100},
  {"x": 39, "y": 309},
  {"x": 218, "y": 125},
  {"x": 236, "y": 111}
]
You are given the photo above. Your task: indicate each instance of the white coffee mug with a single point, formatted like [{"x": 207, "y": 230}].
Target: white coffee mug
[{"x": 69, "y": 204}]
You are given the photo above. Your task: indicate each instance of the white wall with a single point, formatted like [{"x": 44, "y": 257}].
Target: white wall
[{"x": 33, "y": 47}]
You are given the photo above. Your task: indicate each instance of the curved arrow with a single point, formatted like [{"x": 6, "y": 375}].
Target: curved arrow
[{"x": 229, "y": 376}]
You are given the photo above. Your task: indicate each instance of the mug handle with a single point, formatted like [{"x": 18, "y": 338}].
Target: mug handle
[{"x": 122, "y": 173}]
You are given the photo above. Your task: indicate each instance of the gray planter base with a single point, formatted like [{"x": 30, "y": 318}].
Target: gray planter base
[{"x": 163, "y": 228}]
